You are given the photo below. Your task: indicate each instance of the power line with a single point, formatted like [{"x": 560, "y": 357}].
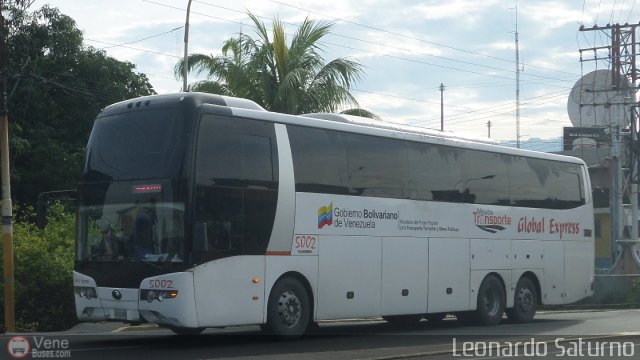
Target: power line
[
  {"x": 146, "y": 38},
  {"x": 72, "y": 88},
  {"x": 415, "y": 38},
  {"x": 496, "y": 110},
  {"x": 613, "y": 8},
  {"x": 346, "y": 47},
  {"x": 495, "y": 113},
  {"x": 631, "y": 11},
  {"x": 395, "y": 47},
  {"x": 133, "y": 48}
]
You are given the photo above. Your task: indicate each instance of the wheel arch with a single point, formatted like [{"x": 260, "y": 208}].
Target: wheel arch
[
  {"x": 305, "y": 283},
  {"x": 478, "y": 276}
]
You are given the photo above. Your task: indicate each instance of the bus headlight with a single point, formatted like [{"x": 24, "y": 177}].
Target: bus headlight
[
  {"x": 160, "y": 295},
  {"x": 85, "y": 291}
]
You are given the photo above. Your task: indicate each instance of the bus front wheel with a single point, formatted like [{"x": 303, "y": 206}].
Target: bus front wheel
[
  {"x": 491, "y": 301},
  {"x": 525, "y": 302},
  {"x": 288, "y": 310}
]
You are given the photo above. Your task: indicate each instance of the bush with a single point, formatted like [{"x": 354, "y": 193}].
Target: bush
[{"x": 43, "y": 273}]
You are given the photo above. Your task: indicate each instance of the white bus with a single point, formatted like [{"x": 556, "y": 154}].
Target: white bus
[{"x": 197, "y": 211}]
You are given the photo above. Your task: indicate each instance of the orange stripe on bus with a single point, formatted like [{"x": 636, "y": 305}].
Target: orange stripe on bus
[{"x": 278, "y": 252}]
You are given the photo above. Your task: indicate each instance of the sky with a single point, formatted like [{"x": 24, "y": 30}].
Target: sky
[{"x": 408, "y": 49}]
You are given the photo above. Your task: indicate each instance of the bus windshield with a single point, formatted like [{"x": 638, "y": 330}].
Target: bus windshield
[
  {"x": 131, "y": 231},
  {"x": 130, "y": 206},
  {"x": 136, "y": 145}
]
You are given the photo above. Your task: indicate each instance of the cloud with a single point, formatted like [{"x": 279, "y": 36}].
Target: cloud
[
  {"x": 407, "y": 48},
  {"x": 465, "y": 12},
  {"x": 539, "y": 16}
]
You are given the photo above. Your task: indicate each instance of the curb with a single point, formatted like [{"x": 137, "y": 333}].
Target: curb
[{"x": 136, "y": 328}]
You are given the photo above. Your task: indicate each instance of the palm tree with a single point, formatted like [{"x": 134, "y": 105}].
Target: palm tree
[{"x": 292, "y": 79}]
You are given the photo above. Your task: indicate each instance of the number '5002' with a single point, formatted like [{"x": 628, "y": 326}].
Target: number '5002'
[
  {"x": 306, "y": 242},
  {"x": 161, "y": 284}
]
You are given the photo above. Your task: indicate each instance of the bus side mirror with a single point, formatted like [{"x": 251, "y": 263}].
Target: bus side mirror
[{"x": 200, "y": 241}]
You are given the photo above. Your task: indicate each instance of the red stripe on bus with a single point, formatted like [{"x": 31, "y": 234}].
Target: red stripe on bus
[{"x": 278, "y": 252}]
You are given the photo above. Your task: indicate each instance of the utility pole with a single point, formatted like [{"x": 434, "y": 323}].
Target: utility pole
[
  {"x": 622, "y": 54},
  {"x": 489, "y": 129},
  {"x": 517, "y": 84},
  {"x": 7, "y": 208},
  {"x": 441, "y": 107},
  {"x": 185, "y": 70}
]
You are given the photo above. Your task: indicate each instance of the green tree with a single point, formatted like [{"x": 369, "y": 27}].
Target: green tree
[
  {"x": 43, "y": 273},
  {"x": 56, "y": 87},
  {"x": 288, "y": 78}
]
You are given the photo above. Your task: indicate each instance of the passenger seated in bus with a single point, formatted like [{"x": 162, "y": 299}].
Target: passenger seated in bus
[
  {"x": 108, "y": 245},
  {"x": 220, "y": 235},
  {"x": 142, "y": 238}
]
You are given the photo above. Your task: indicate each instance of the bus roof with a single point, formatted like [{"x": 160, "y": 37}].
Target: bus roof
[
  {"x": 359, "y": 120},
  {"x": 195, "y": 99},
  {"x": 340, "y": 122}
]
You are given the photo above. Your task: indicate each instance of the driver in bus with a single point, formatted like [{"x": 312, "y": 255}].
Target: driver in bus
[{"x": 108, "y": 245}]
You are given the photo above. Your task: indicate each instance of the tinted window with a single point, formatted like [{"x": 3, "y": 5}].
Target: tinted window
[
  {"x": 548, "y": 184},
  {"x": 528, "y": 182},
  {"x": 327, "y": 161},
  {"x": 435, "y": 171},
  {"x": 319, "y": 160},
  {"x": 566, "y": 184},
  {"x": 236, "y": 185},
  {"x": 377, "y": 166},
  {"x": 484, "y": 178},
  {"x": 136, "y": 145},
  {"x": 236, "y": 153}
]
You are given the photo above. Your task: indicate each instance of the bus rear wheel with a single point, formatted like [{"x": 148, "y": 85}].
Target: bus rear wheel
[
  {"x": 491, "y": 301},
  {"x": 525, "y": 302},
  {"x": 288, "y": 310}
]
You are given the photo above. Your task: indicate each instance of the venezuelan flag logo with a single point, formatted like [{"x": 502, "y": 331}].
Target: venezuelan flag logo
[{"x": 325, "y": 216}]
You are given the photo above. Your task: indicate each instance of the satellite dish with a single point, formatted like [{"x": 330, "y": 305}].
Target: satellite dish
[{"x": 595, "y": 100}]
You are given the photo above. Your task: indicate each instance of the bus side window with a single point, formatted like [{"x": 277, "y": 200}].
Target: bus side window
[
  {"x": 319, "y": 160},
  {"x": 377, "y": 166},
  {"x": 236, "y": 185}
]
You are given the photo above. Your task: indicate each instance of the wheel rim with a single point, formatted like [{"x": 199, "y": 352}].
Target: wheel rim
[
  {"x": 289, "y": 309},
  {"x": 525, "y": 301},
  {"x": 492, "y": 301}
]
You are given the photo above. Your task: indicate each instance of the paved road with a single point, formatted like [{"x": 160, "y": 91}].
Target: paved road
[{"x": 357, "y": 340}]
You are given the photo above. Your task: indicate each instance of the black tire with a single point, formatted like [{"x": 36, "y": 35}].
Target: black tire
[
  {"x": 525, "y": 302},
  {"x": 491, "y": 301},
  {"x": 288, "y": 310},
  {"x": 403, "y": 320},
  {"x": 435, "y": 318},
  {"x": 183, "y": 331}
]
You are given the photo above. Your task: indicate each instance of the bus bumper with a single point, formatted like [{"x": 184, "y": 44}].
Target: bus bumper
[
  {"x": 169, "y": 300},
  {"x": 104, "y": 304}
]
